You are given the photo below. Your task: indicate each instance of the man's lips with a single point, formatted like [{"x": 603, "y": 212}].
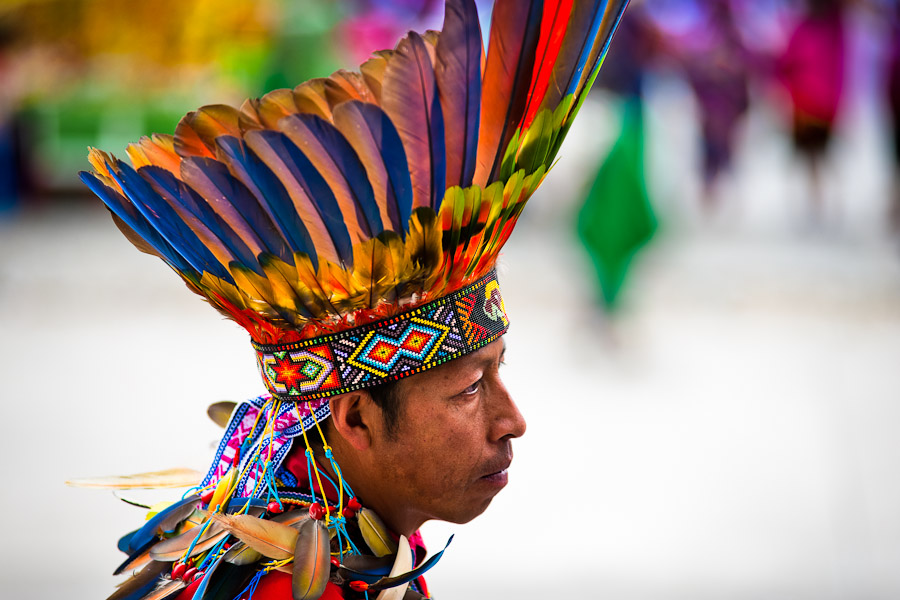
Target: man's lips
[{"x": 497, "y": 472}]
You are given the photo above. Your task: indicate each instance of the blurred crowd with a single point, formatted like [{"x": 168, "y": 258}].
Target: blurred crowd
[
  {"x": 800, "y": 58},
  {"x": 790, "y": 52}
]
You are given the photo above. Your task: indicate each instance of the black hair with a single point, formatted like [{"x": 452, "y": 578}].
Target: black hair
[{"x": 387, "y": 398}]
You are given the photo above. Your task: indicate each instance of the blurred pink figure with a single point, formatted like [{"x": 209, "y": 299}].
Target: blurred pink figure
[
  {"x": 379, "y": 24},
  {"x": 812, "y": 70}
]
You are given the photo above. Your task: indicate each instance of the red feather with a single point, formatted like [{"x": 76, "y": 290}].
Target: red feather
[
  {"x": 507, "y": 77},
  {"x": 554, "y": 24}
]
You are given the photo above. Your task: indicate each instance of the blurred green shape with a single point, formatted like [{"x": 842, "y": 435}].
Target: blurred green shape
[{"x": 617, "y": 219}]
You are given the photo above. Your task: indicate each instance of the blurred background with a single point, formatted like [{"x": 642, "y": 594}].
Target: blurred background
[{"x": 705, "y": 298}]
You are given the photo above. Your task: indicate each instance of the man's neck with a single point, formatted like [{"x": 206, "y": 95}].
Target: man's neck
[{"x": 371, "y": 494}]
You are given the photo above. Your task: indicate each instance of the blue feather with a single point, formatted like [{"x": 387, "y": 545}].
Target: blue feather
[
  {"x": 388, "y": 582},
  {"x": 272, "y": 196},
  {"x": 236, "y": 205},
  {"x": 134, "y": 555},
  {"x": 124, "y": 544},
  {"x": 344, "y": 156},
  {"x": 132, "y": 217},
  {"x": 316, "y": 188},
  {"x": 140, "y": 592},
  {"x": 375, "y": 122},
  {"x": 169, "y": 224},
  {"x": 607, "y": 35},
  {"x": 176, "y": 192},
  {"x": 587, "y": 44},
  {"x": 148, "y": 533}
]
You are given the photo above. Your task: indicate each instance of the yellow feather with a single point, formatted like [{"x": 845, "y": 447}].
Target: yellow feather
[
  {"x": 343, "y": 293},
  {"x": 223, "y": 489},
  {"x": 375, "y": 533},
  {"x": 158, "y": 150},
  {"x": 287, "y": 291},
  {"x": 423, "y": 244},
  {"x": 102, "y": 162},
  {"x": 311, "y": 289},
  {"x": 241, "y": 554}
]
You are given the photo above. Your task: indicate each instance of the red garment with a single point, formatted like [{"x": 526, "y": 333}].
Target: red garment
[{"x": 812, "y": 66}]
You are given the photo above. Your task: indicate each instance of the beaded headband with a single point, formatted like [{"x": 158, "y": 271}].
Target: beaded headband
[{"x": 386, "y": 350}]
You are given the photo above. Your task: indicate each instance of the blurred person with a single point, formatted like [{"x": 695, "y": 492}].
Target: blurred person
[
  {"x": 811, "y": 69},
  {"x": 351, "y": 226},
  {"x": 716, "y": 65}
]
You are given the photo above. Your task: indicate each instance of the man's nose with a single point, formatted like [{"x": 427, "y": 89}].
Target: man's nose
[{"x": 508, "y": 421}]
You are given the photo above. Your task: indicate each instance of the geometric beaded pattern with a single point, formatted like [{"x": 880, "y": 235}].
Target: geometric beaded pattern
[
  {"x": 250, "y": 433},
  {"x": 386, "y": 350}
]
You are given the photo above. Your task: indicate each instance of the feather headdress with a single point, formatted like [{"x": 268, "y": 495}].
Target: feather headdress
[{"x": 352, "y": 224}]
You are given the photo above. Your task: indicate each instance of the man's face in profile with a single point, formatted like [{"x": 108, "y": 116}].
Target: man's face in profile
[{"x": 449, "y": 455}]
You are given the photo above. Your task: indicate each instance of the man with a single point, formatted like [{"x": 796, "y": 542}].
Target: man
[
  {"x": 351, "y": 226},
  {"x": 448, "y": 453}
]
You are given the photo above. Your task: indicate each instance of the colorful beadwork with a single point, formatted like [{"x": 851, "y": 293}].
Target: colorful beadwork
[{"x": 389, "y": 349}]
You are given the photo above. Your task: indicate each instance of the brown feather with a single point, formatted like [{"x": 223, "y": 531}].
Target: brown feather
[
  {"x": 174, "y": 548},
  {"x": 149, "y": 573},
  {"x": 220, "y": 412},
  {"x": 166, "y": 590},
  {"x": 269, "y": 538},
  {"x": 312, "y": 561}
]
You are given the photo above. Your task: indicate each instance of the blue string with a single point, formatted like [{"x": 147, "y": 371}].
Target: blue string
[
  {"x": 273, "y": 489},
  {"x": 331, "y": 481},
  {"x": 337, "y": 469},
  {"x": 199, "y": 534},
  {"x": 251, "y": 587},
  {"x": 309, "y": 470},
  {"x": 211, "y": 556}
]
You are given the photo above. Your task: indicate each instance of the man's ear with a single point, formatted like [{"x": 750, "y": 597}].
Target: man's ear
[{"x": 353, "y": 414}]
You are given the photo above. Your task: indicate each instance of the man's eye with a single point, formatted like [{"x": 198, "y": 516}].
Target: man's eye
[{"x": 472, "y": 389}]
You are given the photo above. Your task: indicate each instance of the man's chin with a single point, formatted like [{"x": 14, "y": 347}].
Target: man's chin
[{"x": 472, "y": 509}]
